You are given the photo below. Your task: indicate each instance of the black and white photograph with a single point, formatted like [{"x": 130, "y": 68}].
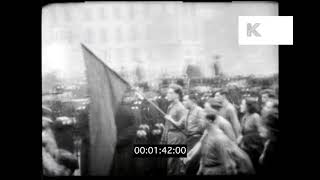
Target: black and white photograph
[{"x": 157, "y": 88}]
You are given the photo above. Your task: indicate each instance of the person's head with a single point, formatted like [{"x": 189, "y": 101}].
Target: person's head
[
  {"x": 46, "y": 122},
  {"x": 271, "y": 122},
  {"x": 213, "y": 103},
  {"x": 249, "y": 105},
  {"x": 267, "y": 95},
  {"x": 211, "y": 116},
  {"x": 174, "y": 93},
  {"x": 269, "y": 106},
  {"x": 189, "y": 100},
  {"x": 222, "y": 94}
]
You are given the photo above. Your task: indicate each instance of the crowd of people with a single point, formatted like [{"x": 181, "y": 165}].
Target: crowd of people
[
  {"x": 219, "y": 142},
  {"x": 222, "y": 138}
]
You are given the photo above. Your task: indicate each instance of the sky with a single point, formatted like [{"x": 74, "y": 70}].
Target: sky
[{"x": 215, "y": 23}]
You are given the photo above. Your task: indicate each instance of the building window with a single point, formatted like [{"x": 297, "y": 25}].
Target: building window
[
  {"x": 148, "y": 33},
  {"x": 114, "y": 54},
  {"x": 87, "y": 14},
  {"x": 103, "y": 35},
  {"x": 169, "y": 8},
  {"x": 119, "y": 34},
  {"x": 107, "y": 55},
  {"x": 120, "y": 54},
  {"x": 146, "y": 10},
  {"x": 142, "y": 33},
  {"x": 163, "y": 8},
  {"x": 125, "y": 10},
  {"x": 110, "y": 53},
  {"x": 69, "y": 36},
  {"x": 89, "y": 35},
  {"x": 133, "y": 33},
  {"x": 147, "y": 54},
  {"x": 131, "y": 12},
  {"x": 136, "y": 54},
  {"x": 128, "y": 53},
  {"x": 116, "y": 11},
  {"x": 187, "y": 52},
  {"x": 53, "y": 15},
  {"x": 187, "y": 32},
  {"x": 67, "y": 15},
  {"x": 154, "y": 9},
  {"x": 102, "y": 13},
  {"x": 124, "y": 34}
]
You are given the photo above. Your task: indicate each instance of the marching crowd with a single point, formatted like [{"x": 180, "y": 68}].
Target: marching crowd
[
  {"x": 221, "y": 137},
  {"x": 219, "y": 142}
]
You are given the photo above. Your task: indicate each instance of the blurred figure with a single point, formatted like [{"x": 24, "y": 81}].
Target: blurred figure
[
  {"x": 251, "y": 140},
  {"x": 228, "y": 111},
  {"x": 212, "y": 106},
  {"x": 55, "y": 161},
  {"x": 51, "y": 167},
  {"x": 126, "y": 136},
  {"x": 219, "y": 155},
  {"x": 47, "y": 112},
  {"x": 172, "y": 135},
  {"x": 194, "y": 121},
  {"x": 194, "y": 125},
  {"x": 83, "y": 129},
  {"x": 63, "y": 128},
  {"x": 269, "y": 106},
  {"x": 269, "y": 159},
  {"x": 267, "y": 95},
  {"x": 251, "y": 121}
]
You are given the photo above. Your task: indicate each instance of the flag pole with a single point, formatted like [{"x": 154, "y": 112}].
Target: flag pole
[
  {"x": 160, "y": 110},
  {"x": 152, "y": 103}
]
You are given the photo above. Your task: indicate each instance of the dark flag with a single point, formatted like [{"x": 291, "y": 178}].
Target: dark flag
[{"x": 106, "y": 89}]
